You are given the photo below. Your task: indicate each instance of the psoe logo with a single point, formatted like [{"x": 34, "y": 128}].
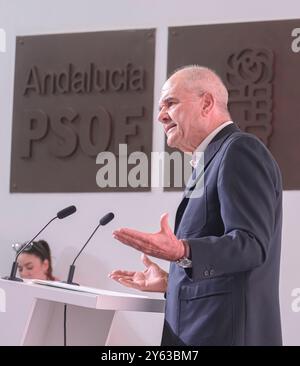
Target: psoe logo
[
  {"x": 2, "y": 40},
  {"x": 2, "y": 301},
  {"x": 296, "y": 42},
  {"x": 296, "y": 302}
]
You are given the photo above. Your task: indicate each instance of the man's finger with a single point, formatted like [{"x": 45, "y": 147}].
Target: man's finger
[
  {"x": 117, "y": 278},
  {"x": 145, "y": 245},
  {"x": 121, "y": 273},
  {"x": 125, "y": 240},
  {"x": 131, "y": 284},
  {"x": 131, "y": 232},
  {"x": 138, "y": 243},
  {"x": 114, "y": 276}
]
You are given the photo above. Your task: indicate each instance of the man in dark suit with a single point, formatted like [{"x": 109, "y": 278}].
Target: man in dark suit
[{"x": 222, "y": 288}]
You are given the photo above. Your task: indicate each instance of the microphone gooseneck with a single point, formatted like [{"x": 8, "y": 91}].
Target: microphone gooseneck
[
  {"x": 93, "y": 233},
  {"x": 103, "y": 221}
]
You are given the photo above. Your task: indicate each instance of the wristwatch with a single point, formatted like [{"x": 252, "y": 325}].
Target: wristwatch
[{"x": 185, "y": 261}]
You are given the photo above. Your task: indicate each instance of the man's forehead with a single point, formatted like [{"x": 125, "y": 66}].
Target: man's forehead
[
  {"x": 170, "y": 88},
  {"x": 166, "y": 87},
  {"x": 172, "y": 82}
]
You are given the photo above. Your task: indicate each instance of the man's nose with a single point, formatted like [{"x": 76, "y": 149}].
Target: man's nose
[{"x": 163, "y": 116}]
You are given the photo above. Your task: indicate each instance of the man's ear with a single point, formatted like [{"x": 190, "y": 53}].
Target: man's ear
[{"x": 208, "y": 103}]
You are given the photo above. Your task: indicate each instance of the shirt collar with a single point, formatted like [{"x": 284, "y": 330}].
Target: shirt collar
[{"x": 202, "y": 147}]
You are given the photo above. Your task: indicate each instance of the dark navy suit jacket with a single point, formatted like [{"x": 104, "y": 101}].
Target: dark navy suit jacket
[{"x": 230, "y": 295}]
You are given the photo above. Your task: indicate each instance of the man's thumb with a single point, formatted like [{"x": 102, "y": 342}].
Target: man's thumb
[
  {"x": 147, "y": 262},
  {"x": 164, "y": 223}
]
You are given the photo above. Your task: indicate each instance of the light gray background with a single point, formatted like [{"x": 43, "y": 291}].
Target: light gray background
[{"x": 21, "y": 215}]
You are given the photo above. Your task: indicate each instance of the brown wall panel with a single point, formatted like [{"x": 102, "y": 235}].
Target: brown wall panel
[
  {"x": 77, "y": 95},
  {"x": 260, "y": 64}
]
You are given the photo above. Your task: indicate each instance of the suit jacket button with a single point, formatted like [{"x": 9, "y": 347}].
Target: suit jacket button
[{"x": 206, "y": 273}]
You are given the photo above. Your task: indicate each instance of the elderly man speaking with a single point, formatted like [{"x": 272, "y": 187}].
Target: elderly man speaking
[{"x": 222, "y": 287}]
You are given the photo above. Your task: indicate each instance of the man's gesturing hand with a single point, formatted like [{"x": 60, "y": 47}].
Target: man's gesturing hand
[
  {"x": 153, "y": 278},
  {"x": 162, "y": 244}
]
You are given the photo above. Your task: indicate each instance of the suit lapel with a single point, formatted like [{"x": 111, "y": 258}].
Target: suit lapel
[
  {"x": 216, "y": 143},
  {"x": 209, "y": 154}
]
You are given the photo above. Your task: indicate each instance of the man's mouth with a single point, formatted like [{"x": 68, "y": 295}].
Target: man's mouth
[{"x": 170, "y": 127}]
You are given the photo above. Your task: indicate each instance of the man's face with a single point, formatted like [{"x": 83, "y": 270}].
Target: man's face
[{"x": 180, "y": 114}]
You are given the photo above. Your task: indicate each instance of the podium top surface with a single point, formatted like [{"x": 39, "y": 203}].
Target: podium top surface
[
  {"x": 85, "y": 289},
  {"x": 83, "y": 296}
]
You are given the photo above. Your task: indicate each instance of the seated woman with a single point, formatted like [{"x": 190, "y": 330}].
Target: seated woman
[{"x": 35, "y": 262}]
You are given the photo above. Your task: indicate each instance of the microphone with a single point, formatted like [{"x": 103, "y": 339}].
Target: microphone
[
  {"x": 107, "y": 218},
  {"x": 103, "y": 221},
  {"x": 60, "y": 215},
  {"x": 66, "y": 212}
]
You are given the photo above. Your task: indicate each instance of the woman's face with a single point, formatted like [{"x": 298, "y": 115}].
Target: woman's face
[{"x": 31, "y": 266}]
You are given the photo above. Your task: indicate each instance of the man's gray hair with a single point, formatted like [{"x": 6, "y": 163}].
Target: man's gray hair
[{"x": 202, "y": 79}]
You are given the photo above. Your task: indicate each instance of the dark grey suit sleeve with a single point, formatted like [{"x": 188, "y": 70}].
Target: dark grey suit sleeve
[{"x": 248, "y": 187}]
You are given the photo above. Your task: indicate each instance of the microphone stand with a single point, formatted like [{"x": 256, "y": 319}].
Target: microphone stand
[
  {"x": 72, "y": 266},
  {"x": 104, "y": 220}
]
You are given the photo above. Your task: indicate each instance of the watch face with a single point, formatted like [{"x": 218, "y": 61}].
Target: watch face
[{"x": 185, "y": 263}]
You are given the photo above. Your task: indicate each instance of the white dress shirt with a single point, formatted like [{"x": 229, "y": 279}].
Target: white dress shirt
[{"x": 201, "y": 148}]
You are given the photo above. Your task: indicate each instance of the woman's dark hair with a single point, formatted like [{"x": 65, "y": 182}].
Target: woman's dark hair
[{"x": 41, "y": 250}]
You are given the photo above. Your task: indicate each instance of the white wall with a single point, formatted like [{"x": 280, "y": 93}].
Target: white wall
[{"x": 21, "y": 215}]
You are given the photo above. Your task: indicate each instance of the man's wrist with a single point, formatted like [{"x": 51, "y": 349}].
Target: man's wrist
[
  {"x": 186, "y": 249},
  {"x": 185, "y": 261}
]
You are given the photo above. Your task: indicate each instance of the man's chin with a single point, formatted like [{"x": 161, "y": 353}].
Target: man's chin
[
  {"x": 171, "y": 143},
  {"x": 175, "y": 145}
]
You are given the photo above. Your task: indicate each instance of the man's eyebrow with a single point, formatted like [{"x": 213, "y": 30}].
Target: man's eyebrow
[{"x": 166, "y": 101}]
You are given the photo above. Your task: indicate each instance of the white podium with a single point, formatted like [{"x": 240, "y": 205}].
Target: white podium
[{"x": 32, "y": 314}]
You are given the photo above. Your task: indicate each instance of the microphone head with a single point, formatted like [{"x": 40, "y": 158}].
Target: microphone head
[
  {"x": 66, "y": 212},
  {"x": 107, "y": 218}
]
